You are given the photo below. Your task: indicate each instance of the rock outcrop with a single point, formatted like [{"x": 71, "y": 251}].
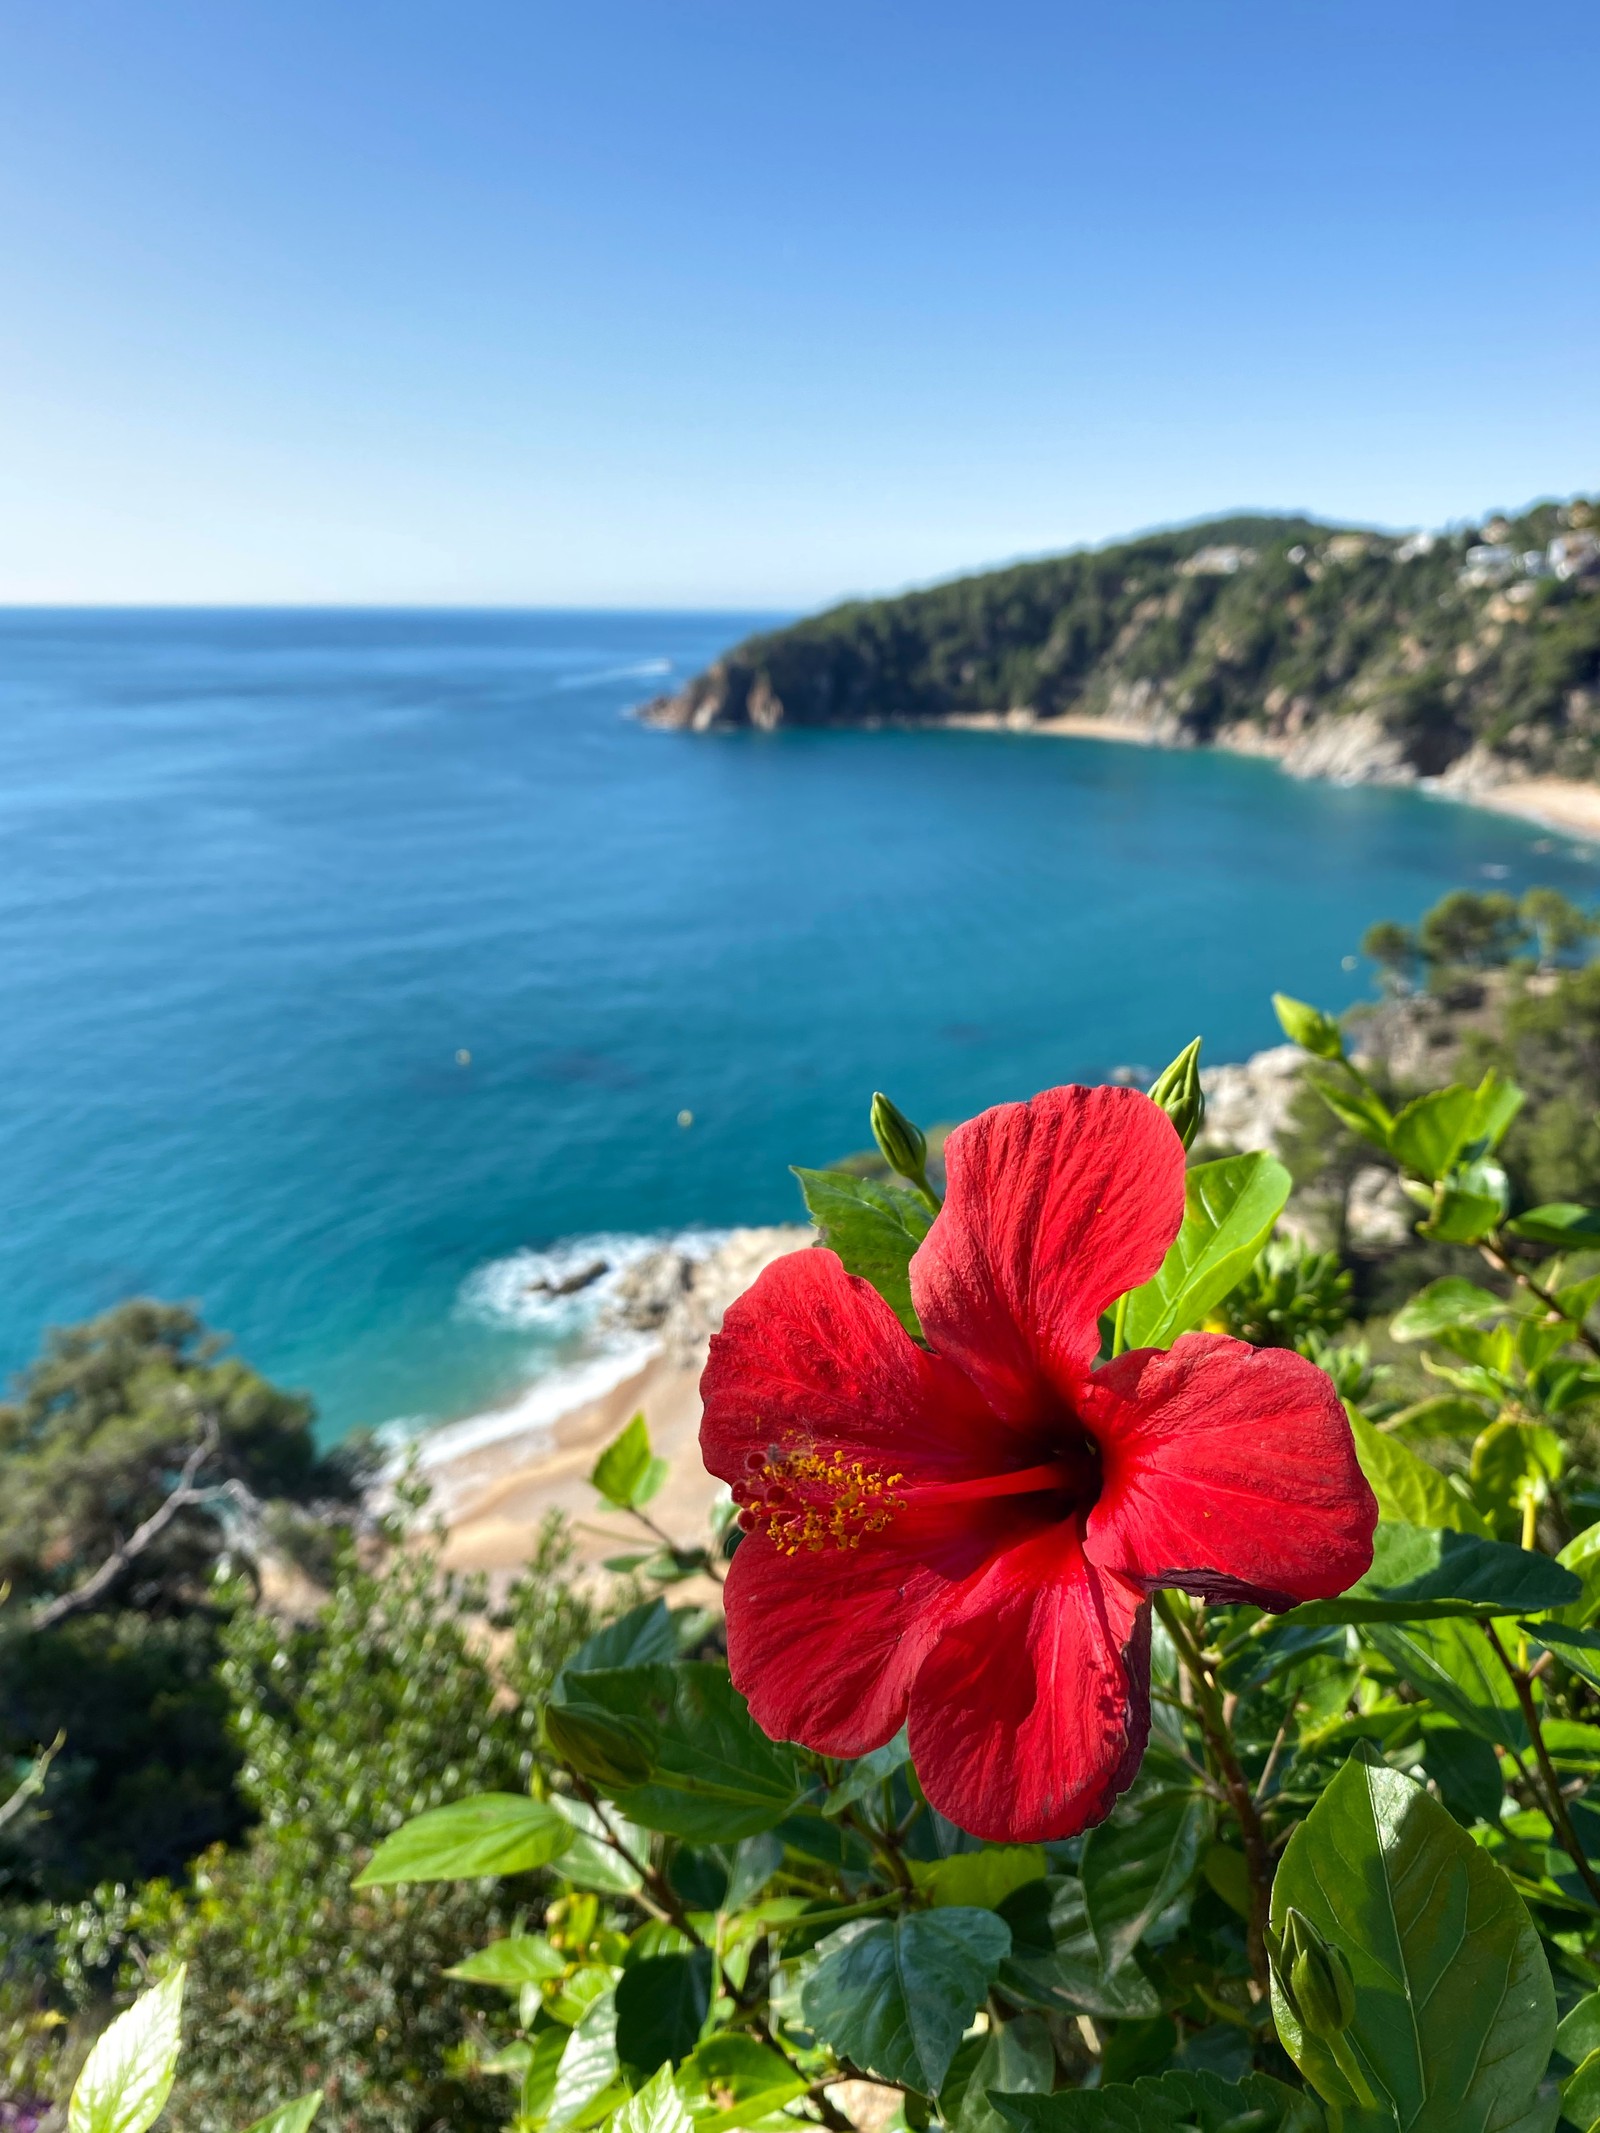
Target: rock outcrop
[
  {"x": 1247, "y": 1104},
  {"x": 1346, "y": 655},
  {"x": 682, "y": 1296}
]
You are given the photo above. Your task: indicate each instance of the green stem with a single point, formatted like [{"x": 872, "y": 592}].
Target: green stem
[
  {"x": 1219, "y": 1740},
  {"x": 663, "y": 1897},
  {"x": 1556, "y": 1802},
  {"x": 839, "y": 1916},
  {"x": 1361, "y": 1082},
  {"x": 884, "y": 1844},
  {"x": 1493, "y": 1249}
]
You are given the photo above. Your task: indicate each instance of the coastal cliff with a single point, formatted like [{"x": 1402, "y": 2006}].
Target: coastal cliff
[{"x": 1472, "y": 656}]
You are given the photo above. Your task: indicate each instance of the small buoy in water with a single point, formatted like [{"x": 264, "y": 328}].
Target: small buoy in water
[
  {"x": 685, "y": 1118},
  {"x": 463, "y": 1057},
  {"x": 1347, "y": 962}
]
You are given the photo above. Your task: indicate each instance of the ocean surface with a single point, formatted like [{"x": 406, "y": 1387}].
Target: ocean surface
[{"x": 355, "y": 968}]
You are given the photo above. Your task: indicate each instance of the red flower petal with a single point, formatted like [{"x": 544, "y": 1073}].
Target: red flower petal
[
  {"x": 1054, "y": 1209},
  {"x": 824, "y": 1642},
  {"x": 825, "y": 1646},
  {"x": 813, "y": 1357},
  {"x": 1031, "y": 1712},
  {"x": 1229, "y": 1471}
]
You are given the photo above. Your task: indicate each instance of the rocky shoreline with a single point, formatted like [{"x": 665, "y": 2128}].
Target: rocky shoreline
[
  {"x": 1467, "y": 661},
  {"x": 1351, "y": 748}
]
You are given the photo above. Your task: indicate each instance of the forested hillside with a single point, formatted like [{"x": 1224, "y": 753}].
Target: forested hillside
[{"x": 1342, "y": 650}]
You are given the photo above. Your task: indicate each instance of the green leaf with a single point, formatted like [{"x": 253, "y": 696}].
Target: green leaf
[
  {"x": 1580, "y": 2097},
  {"x": 1576, "y": 1299},
  {"x": 1226, "y": 1871},
  {"x": 1432, "y": 1130},
  {"x": 626, "y": 1473},
  {"x": 1466, "y": 1770},
  {"x": 1579, "y": 2032},
  {"x": 1451, "y": 1665},
  {"x": 292, "y": 2117},
  {"x": 1449, "y": 1415},
  {"x": 1572, "y": 1743},
  {"x": 731, "y": 2064},
  {"x": 716, "y": 1776},
  {"x": 657, "y": 2108},
  {"x": 865, "y": 1774},
  {"x": 1229, "y": 1208},
  {"x": 1581, "y": 1555},
  {"x": 127, "y": 2078},
  {"x": 1455, "y": 2013},
  {"x": 1420, "y": 1573},
  {"x": 1355, "y": 1108},
  {"x": 1136, "y": 1863},
  {"x": 873, "y": 1228},
  {"x": 1468, "y": 1205},
  {"x": 896, "y": 1998},
  {"x": 1514, "y": 1463},
  {"x": 610, "y": 1752},
  {"x": 641, "y": 1637},
  {"x": 983, "y": 1878},
  {"x": 587, "y": 1860},
  {"x": 492, "y": 1833},
  {"x": 1013, "y": 2058},
  {"x": 662, "y": 2004},
  {"x": 1308, "y": 1027},
  {"x": 520, "y": 1959},
  {"x": 1176, "y": 2102},
  {"x": 1054, "y": 1962},
  {"x": 1406, "y": 1487},
  {"x": 539, "y": 2069},
  {"x": 1562, "y": 1224},
  {"x": 589, "y": 2063},
  {"x": 751, "y": 1865},
  {"x": 1578, "y": 1649},
  {"x": 1450, "y": 1302},
  {"x": 1497, "y": 1104}
]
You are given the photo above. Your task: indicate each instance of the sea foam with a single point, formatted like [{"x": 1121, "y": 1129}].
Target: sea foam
[{"x": 574, "y": 1356}]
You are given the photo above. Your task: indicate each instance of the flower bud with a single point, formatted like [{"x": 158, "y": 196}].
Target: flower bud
[
  {"x": 904, "y": 1146},
  {"x": 1309, "y": 1027},
  {"x": 1178, "y": 1093},
  {"x": 1315, "y": 1979},
  {"x": 597, "y": 1744}
]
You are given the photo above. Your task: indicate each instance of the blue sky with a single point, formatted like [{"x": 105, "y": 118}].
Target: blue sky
[{"x": 695, "y": 303}]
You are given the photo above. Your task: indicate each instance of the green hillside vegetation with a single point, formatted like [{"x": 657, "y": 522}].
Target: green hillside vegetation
[{"x": 1311, "y": 622}]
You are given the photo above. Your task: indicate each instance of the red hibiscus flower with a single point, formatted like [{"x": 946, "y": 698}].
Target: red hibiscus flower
[{"x": 967, "y": 1534}]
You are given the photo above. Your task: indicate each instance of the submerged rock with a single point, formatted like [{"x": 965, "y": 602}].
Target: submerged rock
[{"x": 569, "y": 1284}]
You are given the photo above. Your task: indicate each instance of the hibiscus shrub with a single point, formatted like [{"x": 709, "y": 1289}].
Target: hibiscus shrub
[{"x": 1117, "y": 1724}]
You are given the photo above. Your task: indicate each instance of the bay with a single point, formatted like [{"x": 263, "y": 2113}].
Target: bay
[{"x": 265, "y": 875}]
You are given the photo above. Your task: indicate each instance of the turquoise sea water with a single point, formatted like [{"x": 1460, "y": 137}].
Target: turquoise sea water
[{"x": 265, "y": 874}]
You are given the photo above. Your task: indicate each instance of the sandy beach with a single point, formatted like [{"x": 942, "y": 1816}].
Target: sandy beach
[
  {"x": 1564, "y": 804},
  {"x": 1568, "y": 805},
  {"x": 495, "y": 1499}
]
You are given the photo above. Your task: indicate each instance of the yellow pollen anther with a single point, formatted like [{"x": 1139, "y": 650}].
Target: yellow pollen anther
[{"x": 816, "y": 1500}]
